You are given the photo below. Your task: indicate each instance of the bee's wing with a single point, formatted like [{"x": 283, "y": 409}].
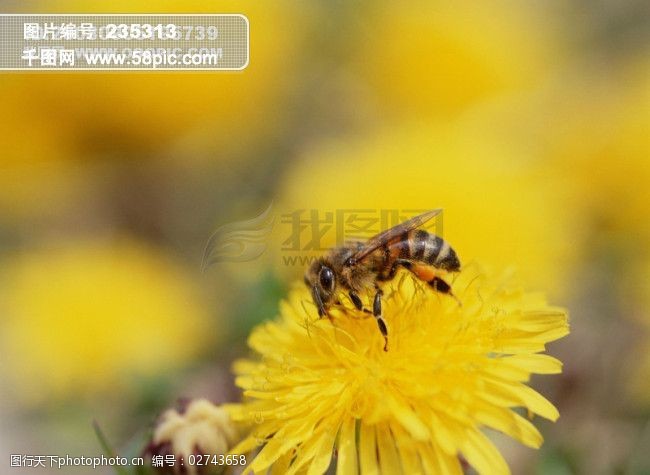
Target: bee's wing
[{"x": 389, "y": 235}]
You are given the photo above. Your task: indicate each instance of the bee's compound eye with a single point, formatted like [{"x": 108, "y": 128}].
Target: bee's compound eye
[{"x": 327, "y": 278}]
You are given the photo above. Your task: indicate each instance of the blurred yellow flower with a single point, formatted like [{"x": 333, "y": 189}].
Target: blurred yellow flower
[
  {"x": 202, "y": 428},
  {"x": 92, "y": 316},
  {"x": 320, "y": 386},
  {"x": 435, "y": 58},
  {"x": 602, "y": 149},
  {"x": 599, "y": 154},
  {"x": 52, "y": 125},
  {"x": 497, "y": 208},
  {"x": 145, "y": 112},
  {"x": 35, "y": 170}
]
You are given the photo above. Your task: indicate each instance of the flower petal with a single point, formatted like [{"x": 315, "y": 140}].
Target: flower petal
[
  {"x": 323, "y": 456},
  {"x": 407, "y": 452},
  {"x": 407, "y": 417},
  {"x": 347, "y": 447},
  {"x": 507, "y": 394},
  {"x": 510, "y": 423},
  {"x": 482, "y": 454},
  {"x": 388, "y": 457},
  {"x": 368, "y": 450},
  {"x": 534, "y": 363}
]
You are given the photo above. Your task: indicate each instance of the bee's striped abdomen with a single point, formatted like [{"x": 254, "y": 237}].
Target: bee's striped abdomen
[{"x": 431, "y": 249}]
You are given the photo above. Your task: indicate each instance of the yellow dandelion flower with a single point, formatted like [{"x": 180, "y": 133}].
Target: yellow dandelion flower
[
  {"x": 202, "y": 428},
  {"x": 322, "y": 387}
]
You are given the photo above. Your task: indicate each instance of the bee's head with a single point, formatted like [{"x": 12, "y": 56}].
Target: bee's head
[{"x": 321, "y": 280}]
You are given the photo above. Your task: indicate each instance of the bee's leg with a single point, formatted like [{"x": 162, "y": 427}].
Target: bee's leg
[
  {"x": 427, "y": 274},
  {"x": 356, "y": 300},
  {"x": 439, "y": 285},
  {"x": 376, "y": 312}
]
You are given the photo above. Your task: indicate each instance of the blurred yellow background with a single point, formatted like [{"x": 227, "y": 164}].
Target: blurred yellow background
[{"x": 527, "y": 122}]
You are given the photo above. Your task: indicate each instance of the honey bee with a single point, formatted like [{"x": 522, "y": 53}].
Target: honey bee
[{"x": 361, "y": 267}]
